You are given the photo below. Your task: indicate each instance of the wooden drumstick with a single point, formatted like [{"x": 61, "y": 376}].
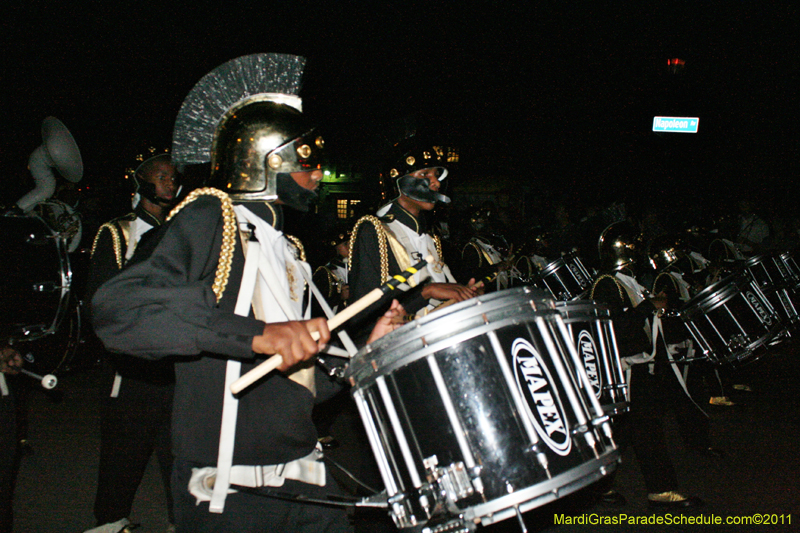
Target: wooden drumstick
[
  {"x": 451, "y": 301},
  {"x": 335, "y": 321}
]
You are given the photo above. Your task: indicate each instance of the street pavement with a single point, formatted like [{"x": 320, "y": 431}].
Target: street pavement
[{"x": 757, "y": 476}]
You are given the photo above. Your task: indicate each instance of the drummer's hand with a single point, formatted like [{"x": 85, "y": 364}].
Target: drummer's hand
[
  {"x": 449, "y": 291},
  {"x": 390, "y": 321},
  {"x": 660, "y": 301},
  {"x": 10, "y": 360},
  {"x": 292, "y": 340}
]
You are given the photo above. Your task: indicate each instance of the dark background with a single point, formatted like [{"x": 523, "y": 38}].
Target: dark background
[{"x": 560, "y": 95}]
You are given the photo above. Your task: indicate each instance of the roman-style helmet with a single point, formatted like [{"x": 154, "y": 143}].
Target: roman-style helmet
[
  {"x": 665, "y": 251},
  {"x": 619, "y": 247},
  {"x": 412, "y": 155},
  {"x": 245, "y": 118}
]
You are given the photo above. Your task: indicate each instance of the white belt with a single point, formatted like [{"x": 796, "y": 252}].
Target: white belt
[{"x": 309, "y": 469}]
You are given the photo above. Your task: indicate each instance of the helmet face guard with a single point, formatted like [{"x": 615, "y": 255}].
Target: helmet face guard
[
  {"x": 256, "y": 142},
  {"x": 419, "y": 189}
]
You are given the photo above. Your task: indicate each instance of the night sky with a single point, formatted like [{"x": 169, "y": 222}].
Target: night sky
[{"x": 559, "y": 97}]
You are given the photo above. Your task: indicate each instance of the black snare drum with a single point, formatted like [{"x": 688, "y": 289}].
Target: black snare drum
[
  {"x": 475, "y": 413},
  {"x": 773, "y": 277},
  {"x": 35, "y": 278},
  {"x": 592, "y": 332},
  {"x": 565, "y": 278},
  {"x": 731, "y": 319}
]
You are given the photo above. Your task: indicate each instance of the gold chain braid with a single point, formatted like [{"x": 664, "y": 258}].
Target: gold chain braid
[
  {"x": 383, "y": 248},
  {"x": 115, "y": 240},
  {"x": 301, "y": 252},
  {"x": 228, "y": 234},
  {"x": 622, "y": 294},
  {"x": 438, "y": 243}
]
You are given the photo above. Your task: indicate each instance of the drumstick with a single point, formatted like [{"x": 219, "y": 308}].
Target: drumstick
[
  {"x": 48, "y": 381},
  {"x": 451, "y": 301},
  {"x": 335, "y": 321}
]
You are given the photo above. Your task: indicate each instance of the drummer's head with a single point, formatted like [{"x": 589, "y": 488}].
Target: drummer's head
[
  {"x": 419, "y": 171},
  {"x": 619, "y": 247}
]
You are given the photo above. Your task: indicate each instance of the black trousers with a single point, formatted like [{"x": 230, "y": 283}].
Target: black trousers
[
  {"x": 250, "y": 513},
  {"x": 8, "y": 459},
  {"x": 133, "y": 426},
  {"x": 653, "y": 397}
]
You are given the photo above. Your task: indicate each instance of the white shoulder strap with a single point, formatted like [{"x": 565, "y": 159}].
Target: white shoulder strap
[{"x": 230, "y": 404}]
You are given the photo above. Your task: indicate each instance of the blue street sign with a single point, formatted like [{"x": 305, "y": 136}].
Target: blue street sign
[{"x": 676, "y": 124}]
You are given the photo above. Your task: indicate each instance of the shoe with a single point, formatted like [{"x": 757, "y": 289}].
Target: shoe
[
  {"x": 171, "y": 528},
  {"x": 611, "y": 498},
  {"x": 123, "y": 525},
  {"x": 716, "y": 453},
  {"x": 742, "y": 387},
  {"x": 328, "y": 443},
  {"x": 673, "y": 500},
  {"x": 722, "y": 401}
]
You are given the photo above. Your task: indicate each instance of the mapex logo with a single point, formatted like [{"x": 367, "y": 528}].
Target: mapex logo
[
  {"x": 534, "y": 383},
  {"x": 754, "y": 301},
  {"x": 579, "y": 277},
  {"x": 588, "y": 352}
]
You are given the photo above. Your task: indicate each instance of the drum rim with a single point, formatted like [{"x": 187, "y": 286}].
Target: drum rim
[
  {"x": 485, "y": 303},
  {"x": 364, "y": 372}
]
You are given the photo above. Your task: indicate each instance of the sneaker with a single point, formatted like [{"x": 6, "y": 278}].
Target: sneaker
[
  {"x": 722, "y": 401},
  {"x": 611, "y": 498},
  {"x": 674, "y": 500},
  {"x": 742, "y": 387},
  {"x": 119, "y": 526}
]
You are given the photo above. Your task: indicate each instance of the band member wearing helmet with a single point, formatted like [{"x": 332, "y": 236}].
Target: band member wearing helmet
[
  {"x": 635, "y": 317},
  {"x": 487, "y": 254},
  {"x": 135, "y": 413},
  {"x": 399, "y": 236},
  {"x": 190, "y": 295},
  {"x": 332, "y": 277}
]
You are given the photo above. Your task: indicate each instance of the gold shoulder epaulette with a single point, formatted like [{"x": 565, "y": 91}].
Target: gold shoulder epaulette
[
  {"x": 228, "y": 234},
  {"x": 382, "y": 243},
  {"x": 116, "y": 241},
  {"x": 671, "y": 278},
  {"x": 622, "y": 294}
]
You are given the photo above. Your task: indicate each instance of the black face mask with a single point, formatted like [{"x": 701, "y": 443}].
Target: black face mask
[
  {"x": 419, "y": 189},
  {"x": 293, "y": 195}
]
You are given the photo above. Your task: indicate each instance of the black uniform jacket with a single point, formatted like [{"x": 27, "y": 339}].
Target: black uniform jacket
[{"x": 162, "y": 304}]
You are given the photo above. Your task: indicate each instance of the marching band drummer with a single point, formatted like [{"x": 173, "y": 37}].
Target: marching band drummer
[
  {"x": 399, "y": 236},
  {"x": 633, "y": 315},
  {"x": 221, "y": 287},
  {"x": 135, "y": 410},
  {"x": 487, "y": 254}
]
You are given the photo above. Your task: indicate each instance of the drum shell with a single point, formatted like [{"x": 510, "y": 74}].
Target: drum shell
[
  {"x": 730, "y": 319},
  {"x": 566, "y": 278},
  {"x": 461, "y": 415},
  {"x": 592, "y": 331},
  {"x": 35, "y": 278},
  {"x": 768, "y": 271}
]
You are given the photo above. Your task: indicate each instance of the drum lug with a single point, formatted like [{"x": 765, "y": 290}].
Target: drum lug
[
  {"x": 48, "y": 286},
  {"x": 454, "y": 480}
]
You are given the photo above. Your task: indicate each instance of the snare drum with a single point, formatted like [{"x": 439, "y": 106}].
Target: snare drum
[
  {"x": 730, "y": 319},
  {"x": 565, "y": 278},
  {"x": 772, "y": 276},
  {"x": 474, "y": 412},
  {"x": 35, "y": 278},
  {"x": 592, "y": 332}
]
